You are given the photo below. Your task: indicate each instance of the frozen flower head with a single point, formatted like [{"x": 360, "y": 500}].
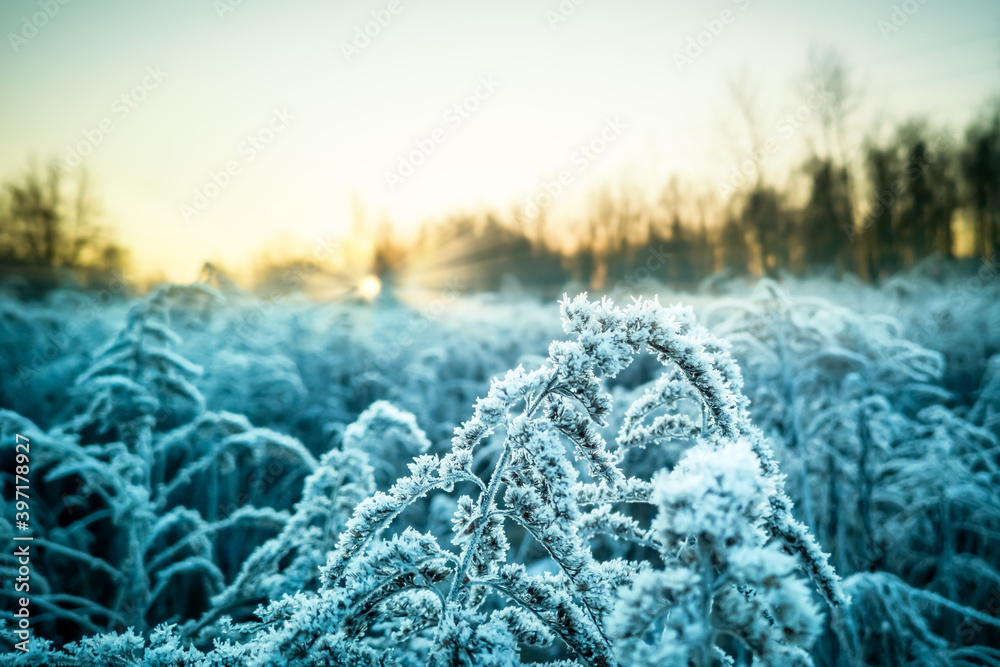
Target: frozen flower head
[
  {"x": 793, "y": 618},
  {"x": 717, "y": 496}
]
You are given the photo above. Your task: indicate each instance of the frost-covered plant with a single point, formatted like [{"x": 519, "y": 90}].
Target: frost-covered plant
[
  {"x": 472, "y": 606},
  {"x": 986, "y": 410},
  {"x": 821, "y": 381},
  {"x": 207, "y": 470},
  {"x": 115, "y": 506},
  {"x": 137, "y": 374},
  {"x": 956, "y": 313},
  {"x": 389, "y": 436},
  {"x": 129, "y": 380},
  {"x": 901, "y": 482},
  {"x": 885, "y": 473},
  {"x": 897, "y": 624},
  {"x": 290, "y": 561},
  {"x": 720, "y": 577},
  {"x": 265, "y": 387}
]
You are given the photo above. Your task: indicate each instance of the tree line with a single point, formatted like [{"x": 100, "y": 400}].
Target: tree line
[
  {"x": 919, "y": 192},
  {"x": 916, "y": 192},
  {"x": 50, "y": 231}
]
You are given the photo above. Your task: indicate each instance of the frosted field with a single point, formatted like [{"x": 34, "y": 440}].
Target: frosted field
[{"x": 803, "y": 472}]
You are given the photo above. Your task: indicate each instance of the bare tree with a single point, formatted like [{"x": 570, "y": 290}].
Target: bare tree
[
  {"x": 47, "y": 222},
  {"x": 744, "y": 95},
  {"x": 830, "y": 212},
  {"x": 828, "y": 74}
]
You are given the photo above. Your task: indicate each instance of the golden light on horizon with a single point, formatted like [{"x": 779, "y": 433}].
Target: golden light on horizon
[{"x": 369, "y": 287}]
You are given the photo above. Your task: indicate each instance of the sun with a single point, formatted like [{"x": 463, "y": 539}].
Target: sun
[{"x": 369, "y": 287}]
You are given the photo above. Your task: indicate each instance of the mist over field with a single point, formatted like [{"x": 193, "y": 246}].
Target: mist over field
[{"x": 452, "y": 334}]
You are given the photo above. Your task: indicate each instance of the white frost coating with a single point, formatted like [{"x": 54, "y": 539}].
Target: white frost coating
[{"x": 397, "y": 595}]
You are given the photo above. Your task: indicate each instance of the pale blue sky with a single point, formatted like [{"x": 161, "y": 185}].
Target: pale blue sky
[{"x": 225, "y": 77}]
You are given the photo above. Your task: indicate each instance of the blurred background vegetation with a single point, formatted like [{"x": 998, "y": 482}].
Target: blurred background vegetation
[{"x": 51, "y": 236}]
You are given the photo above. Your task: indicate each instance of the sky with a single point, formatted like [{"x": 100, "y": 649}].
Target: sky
[{"x": 215, "y": 128}]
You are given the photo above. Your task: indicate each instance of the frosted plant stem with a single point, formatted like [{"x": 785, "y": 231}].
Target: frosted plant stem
[
  {"x": 931, "y": 596},
  {"x": 486, "y": 500},
  {"x": 797, "y": 444},
  {"x": 864, "y": 473},
  {"x": 707, "y": 582}
]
